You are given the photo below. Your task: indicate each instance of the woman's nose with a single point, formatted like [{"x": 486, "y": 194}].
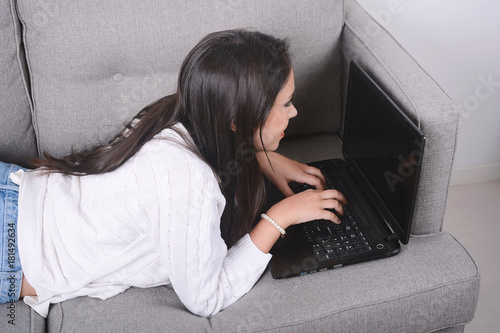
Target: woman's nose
[{"x": 293, "y": 112}]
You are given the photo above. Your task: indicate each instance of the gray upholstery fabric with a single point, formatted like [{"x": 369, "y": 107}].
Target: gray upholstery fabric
[
  {"x": 15, "y": 114},
  {"x": 427, "y": 105},
  {"x": 310, "y": 148},
  {"x": 20, "y": 318},
  {"x": 96, "y": 64},
  {"x": 453, "y": 329},
  {"x": 404, "y": 293}
]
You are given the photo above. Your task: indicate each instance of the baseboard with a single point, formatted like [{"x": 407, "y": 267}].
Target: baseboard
[{"x": 475, "y": 174}]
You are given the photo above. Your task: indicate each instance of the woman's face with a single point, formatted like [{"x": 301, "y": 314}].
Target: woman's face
[{"x": 277, "y": 121}]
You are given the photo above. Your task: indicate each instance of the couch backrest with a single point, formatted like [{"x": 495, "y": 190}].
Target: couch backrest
[
  {"x": 94, "y": 64},
  {"x": 17, "y": 137}
]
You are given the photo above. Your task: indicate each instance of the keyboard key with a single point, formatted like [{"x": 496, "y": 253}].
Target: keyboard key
[
  {"x": 346, "y": 253},
  {"x": 329, "y": 241},
  {"x": 319, "y": 252},
  {"x": 325, "y": 257},
  {"x": 330, "y": 231}
]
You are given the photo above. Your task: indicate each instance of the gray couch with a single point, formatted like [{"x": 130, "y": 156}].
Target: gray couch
[{"x": 73, "y": 72}]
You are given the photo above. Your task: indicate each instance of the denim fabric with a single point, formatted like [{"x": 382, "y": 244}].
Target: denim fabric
[{"x": 11, "y": 274}]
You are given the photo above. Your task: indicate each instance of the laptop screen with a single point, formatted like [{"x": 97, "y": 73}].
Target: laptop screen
[{"x": 384, "y": 148}]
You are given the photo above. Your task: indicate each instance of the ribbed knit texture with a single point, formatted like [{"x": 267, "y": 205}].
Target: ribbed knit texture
[{"x": 153, "y": 221}]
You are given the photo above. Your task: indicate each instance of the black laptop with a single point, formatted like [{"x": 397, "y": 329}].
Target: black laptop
[{"x": 379, "y": 176}]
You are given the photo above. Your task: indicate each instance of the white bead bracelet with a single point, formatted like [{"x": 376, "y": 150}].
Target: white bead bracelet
[{"x": 273, "y": 222}]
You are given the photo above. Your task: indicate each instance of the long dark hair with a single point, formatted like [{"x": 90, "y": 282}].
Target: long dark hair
[{"x": 226, "y": 88}]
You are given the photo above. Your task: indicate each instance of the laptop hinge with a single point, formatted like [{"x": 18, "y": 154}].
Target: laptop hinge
[{"x": 392, "y": 237}]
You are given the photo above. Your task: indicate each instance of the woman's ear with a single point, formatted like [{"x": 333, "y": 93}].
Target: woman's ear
[{"x": 233, "y": 127}]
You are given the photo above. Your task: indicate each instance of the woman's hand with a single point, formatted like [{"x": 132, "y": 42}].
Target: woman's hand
[
  {"x": 283, "y": 170},
  {"x": 298, "y": 208},
  {"x": 308, "y": 205}
]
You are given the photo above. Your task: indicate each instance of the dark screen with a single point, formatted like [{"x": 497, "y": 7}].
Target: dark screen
[{"x": 385, "y": 149}]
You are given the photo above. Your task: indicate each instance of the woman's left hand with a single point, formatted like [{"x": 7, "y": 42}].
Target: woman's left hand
[{"x": 284, "y": 170}]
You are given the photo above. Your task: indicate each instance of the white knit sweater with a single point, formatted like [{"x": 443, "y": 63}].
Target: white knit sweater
[{"x": 153, "y": 221}]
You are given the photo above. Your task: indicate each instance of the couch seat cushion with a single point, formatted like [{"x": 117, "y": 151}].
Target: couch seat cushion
[
  {"x": 405, "y": 293},
  {"x": 310, "y": 148}
]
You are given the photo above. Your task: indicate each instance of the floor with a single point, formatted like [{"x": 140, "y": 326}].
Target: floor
[{"x": 473, "y": 217}]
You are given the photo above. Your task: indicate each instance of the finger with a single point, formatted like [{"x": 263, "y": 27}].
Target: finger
[
  {"x": 334, "y": 204},
  {"x": 312, "y": 180},
  {"x": 334, "y": 194},
  {"x": 313, "y": 171},
  {"x": 318, "y": 174},
  {"x": 327, "y": 215},
  {"x": 285, "y": 189}
]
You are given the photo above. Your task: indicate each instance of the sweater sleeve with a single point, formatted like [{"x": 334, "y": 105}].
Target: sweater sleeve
[{"x": 206, "y": 276}]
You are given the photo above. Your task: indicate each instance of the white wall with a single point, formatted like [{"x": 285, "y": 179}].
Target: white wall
[{"x": 458, "y": 43}]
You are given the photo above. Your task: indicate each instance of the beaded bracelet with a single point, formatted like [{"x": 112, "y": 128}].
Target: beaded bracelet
[{"x": 273, "y": 222}]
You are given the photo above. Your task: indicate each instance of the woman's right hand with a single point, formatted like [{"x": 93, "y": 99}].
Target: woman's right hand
[
  {"x": 308, "y": 205},
  {"x": 298, "y": 208}
]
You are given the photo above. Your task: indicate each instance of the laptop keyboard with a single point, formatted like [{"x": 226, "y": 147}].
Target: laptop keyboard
[{"x": 329, "y": 240}]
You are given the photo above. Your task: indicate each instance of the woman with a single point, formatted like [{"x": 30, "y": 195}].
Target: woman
[{"x": 171, "y": 199}]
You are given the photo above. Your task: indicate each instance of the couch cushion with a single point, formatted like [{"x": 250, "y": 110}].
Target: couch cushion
[
  {"x": 17, "y": 140},
  {"x": 20, "y": 318},
  {"x": 415, "y": 291},
  {"x": 312, "y": 147},
  {"x": 95, "y": 64}
]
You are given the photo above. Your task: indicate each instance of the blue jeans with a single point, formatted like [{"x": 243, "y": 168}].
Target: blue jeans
[{"x": 11, "y": 274}]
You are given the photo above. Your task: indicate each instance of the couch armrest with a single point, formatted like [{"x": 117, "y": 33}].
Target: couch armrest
[{"x": 376, "y": 51}]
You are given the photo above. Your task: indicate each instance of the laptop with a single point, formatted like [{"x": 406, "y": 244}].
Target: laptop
[{"x": 379, "y": 175}]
